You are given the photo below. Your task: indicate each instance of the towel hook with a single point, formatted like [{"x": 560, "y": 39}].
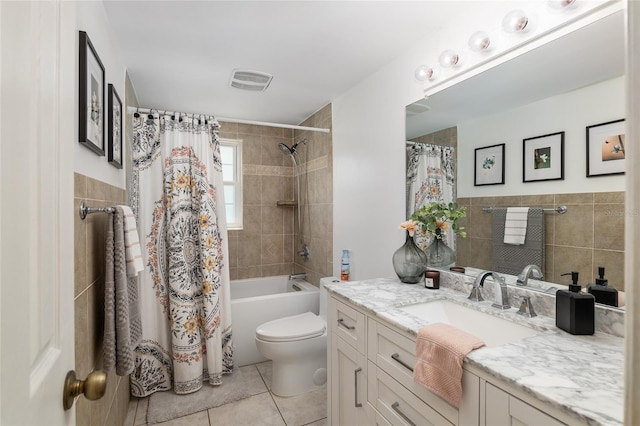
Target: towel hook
[{"x": 85, "y": 210}]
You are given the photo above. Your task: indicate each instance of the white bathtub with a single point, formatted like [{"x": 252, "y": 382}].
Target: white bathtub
[{"x": 258, "y": 300}]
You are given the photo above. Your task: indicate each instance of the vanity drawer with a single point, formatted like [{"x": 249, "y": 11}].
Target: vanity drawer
[
  {"x": 349, "y": 324},
  {"x": 396, "y": 404},
  {"x": 395, "y": 355}
]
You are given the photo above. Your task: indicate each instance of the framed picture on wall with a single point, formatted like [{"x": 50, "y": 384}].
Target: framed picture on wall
[
  {"x": 114, "y": 126},
  {"x": 606, "y": 148},
  {"x": 91, "y": 99},
  {"x": 489, "y": 165},
  {"x": 543, "y": 158}
]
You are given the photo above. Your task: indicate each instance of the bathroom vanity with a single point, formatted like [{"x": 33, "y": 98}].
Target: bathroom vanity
[{"x": 529, "y": 373}]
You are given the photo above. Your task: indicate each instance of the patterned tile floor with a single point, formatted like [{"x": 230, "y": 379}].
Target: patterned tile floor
[{"x": 262, "y": 408}]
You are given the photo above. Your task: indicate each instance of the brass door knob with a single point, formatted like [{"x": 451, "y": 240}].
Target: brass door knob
[{"x": 93, "y": 387}]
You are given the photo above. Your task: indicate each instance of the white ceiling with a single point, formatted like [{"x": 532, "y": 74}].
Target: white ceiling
[{"x": 180, "y": 54}]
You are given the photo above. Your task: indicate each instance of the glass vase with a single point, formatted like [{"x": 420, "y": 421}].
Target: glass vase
[
  {"x": 439, "y": 254},
  {"x": 410, "y": 262}
]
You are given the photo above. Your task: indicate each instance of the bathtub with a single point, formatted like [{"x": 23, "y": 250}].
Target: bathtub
[{"x": 258, "y": 300}]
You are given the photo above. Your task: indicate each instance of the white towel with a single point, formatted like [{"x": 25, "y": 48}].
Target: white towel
[
  {"x": 131, "y": 243},
  {"x": 515, "y": 225}
]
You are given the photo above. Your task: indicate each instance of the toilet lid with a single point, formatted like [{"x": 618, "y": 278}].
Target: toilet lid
[{"x": 295, "y": 327}]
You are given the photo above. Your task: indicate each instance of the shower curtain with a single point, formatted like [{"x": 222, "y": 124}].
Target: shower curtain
[
  {"x": 176, "y": 193},
  {"x": 430, "y": 178}
]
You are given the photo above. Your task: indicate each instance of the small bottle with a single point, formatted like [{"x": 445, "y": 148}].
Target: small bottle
[
  {"x": 575, "y": 309},
  {"x": 601, "y": 290},
  {"x": 344, "y": 266}
]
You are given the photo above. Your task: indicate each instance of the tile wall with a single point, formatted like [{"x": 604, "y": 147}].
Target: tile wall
[
  {"x": 268, "y": 242},
  {"x": 89, "y": 247},
  {"x": 316, "y": 185},
  {"x": 264, "y": 247},
  {"x": 589, "y": 235}
]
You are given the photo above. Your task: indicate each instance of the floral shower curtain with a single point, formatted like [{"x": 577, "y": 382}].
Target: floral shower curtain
[
  {"x": 430, "y": 178},
  {"x": 177, "y": 197}
]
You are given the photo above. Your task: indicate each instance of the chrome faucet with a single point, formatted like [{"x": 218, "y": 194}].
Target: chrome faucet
[
  {"x": 300, "y": 276},
  {"x": 529, "y": 271},
  {"x": 501, "y": 297}
]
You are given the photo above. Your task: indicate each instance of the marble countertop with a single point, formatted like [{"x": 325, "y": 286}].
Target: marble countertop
[{"x": 580, "y": 375}]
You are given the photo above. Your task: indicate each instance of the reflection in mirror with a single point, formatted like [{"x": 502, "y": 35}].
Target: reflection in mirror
[{"x": 565, "y": 85}]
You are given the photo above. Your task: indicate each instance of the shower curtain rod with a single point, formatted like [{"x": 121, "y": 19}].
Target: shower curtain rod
[{"x": 237, "y": 120}]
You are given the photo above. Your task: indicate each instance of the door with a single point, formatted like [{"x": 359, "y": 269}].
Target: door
[
  {"x": 348, "y": 384},
  {"x": 36, "y": 213}
]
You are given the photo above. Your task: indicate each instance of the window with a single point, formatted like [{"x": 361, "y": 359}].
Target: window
[{"x": 231, "y": 153}]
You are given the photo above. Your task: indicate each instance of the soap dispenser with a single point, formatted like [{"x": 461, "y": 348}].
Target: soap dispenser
[
  {"x": 601, "y": 290},
  {"x": 575, "y": 310}
]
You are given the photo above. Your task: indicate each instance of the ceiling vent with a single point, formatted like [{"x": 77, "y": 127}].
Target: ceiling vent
[
  {"x": 254, "y": 81},
  {"x": 417, "y": 108}
]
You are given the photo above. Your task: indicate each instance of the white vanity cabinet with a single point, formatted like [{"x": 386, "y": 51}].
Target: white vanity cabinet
[
  {"x": 348, "y": 367},
  {"x": 502, "y": 408},
  {"x": 371, "y": 380}
]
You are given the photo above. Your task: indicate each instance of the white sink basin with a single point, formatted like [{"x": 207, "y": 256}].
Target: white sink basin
[{"x": 492, "y": 330}]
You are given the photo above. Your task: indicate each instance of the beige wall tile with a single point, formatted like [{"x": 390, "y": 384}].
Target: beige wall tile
[
  {"x": 575, "y": 227},
  {"x": 609, "y": 197},
  {"x": 479, "y": 223},
  {"x": 89, "y": 246},
  {"x": 251, "y": 190},
  {"x": 273, "y": 219},
  {"x": 272, "y": 190},
  {"x": 272, "y": 249},
  {"x": 80, "y": 251},
  {"x": 567, "y": 259},
  {"x": 251, "y": 148},
  {"x": 581, "y": 198},
  {"x": 593, "y": 221},
  {"x": 249, "y": 250},
  {"x": 609, "y": 226}
]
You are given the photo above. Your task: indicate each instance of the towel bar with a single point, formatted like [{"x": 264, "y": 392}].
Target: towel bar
[
  {"x": 559, "y": 209},
  {"x": 86, "y": 210}
]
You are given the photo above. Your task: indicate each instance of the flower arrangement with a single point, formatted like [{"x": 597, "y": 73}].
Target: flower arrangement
[{"x": 433, "y": 218}]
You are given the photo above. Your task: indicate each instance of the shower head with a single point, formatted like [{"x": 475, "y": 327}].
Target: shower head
[{"x": 284, "y": 148}]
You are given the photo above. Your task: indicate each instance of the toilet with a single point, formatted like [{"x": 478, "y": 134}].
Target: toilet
[{"x": 297, "y": 346}]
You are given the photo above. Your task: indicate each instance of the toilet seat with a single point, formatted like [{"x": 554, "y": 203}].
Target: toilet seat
[{"x": 292, "y": 328}]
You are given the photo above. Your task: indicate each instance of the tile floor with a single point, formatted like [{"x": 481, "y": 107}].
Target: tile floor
[{"x": 262, "y": 408}]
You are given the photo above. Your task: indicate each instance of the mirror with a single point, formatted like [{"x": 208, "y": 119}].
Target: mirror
[{"x": 588, "y": 59}]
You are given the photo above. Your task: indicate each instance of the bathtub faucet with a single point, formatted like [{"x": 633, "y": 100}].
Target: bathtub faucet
[{"x": 300, "y": 276}]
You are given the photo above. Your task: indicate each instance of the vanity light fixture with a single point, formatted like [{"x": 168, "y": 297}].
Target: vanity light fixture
[
  {"x": 424, "y": 72},
  {"x": 515, "y": 22},
  {"x": 448, "y": 58},
  {"x": 479, "y": 41}
]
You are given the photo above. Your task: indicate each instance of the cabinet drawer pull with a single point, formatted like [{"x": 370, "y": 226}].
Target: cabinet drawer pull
[
  {"x": 395, "y": 406},
  {"x": 355, "y": 378},
  {"x": 396, "y": 358},
  {"x": 348, "y": 327}
]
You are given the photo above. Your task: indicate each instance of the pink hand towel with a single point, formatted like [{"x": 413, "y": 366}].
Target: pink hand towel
[{"x": 440, "y": 351}]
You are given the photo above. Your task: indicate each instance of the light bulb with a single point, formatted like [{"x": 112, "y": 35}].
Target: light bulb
[
  {"x": 448, "y": 58},
  {"x": 560, "y": 4},
  {"x": 515, "y": 21},
  {"x": 479, "y": 41},
  {"x": 424, "y": 72}
]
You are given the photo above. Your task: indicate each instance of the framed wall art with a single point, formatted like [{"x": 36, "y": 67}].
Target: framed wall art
[
  {"x": 606, "y": 148},
  {"x": 489, "y": 165},
  {"x": 543, "y": 158},
  {"x": 114, "y": 126},
  {"x": 91, "y": 99}
]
